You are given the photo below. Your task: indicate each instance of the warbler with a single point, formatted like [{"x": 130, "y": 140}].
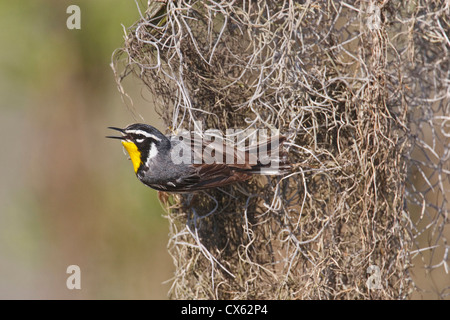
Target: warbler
[{"x": 179, "y": 163}]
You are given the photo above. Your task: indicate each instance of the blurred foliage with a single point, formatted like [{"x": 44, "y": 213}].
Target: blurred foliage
[{"x": 67, "y": 194}]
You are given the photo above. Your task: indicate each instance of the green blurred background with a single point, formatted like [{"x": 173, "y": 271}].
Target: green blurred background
[{"x": 67, "y": 194}]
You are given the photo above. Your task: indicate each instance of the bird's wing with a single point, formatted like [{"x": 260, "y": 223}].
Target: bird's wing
[{"x": 216, "y": 151}]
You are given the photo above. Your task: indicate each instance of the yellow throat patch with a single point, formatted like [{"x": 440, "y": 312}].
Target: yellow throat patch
[{"x": 135, "y": 154}]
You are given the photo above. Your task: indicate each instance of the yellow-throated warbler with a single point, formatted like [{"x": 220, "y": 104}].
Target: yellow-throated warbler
[{"x": 178, "y": 163}]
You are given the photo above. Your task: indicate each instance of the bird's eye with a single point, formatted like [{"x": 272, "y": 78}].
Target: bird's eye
[{"x": 139, "y": 138}]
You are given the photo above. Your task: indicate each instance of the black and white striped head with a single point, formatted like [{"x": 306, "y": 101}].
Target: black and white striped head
[{"x": 142, "y": 142}]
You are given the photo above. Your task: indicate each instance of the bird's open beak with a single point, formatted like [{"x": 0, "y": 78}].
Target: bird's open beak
[{"x": 115, "y": 137}]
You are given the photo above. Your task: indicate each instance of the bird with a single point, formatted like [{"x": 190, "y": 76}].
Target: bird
[{"x": 182, "y": 164}]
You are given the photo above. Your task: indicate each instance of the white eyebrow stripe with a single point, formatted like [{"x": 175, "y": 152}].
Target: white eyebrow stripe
[{"x": 148, "y": 135}]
